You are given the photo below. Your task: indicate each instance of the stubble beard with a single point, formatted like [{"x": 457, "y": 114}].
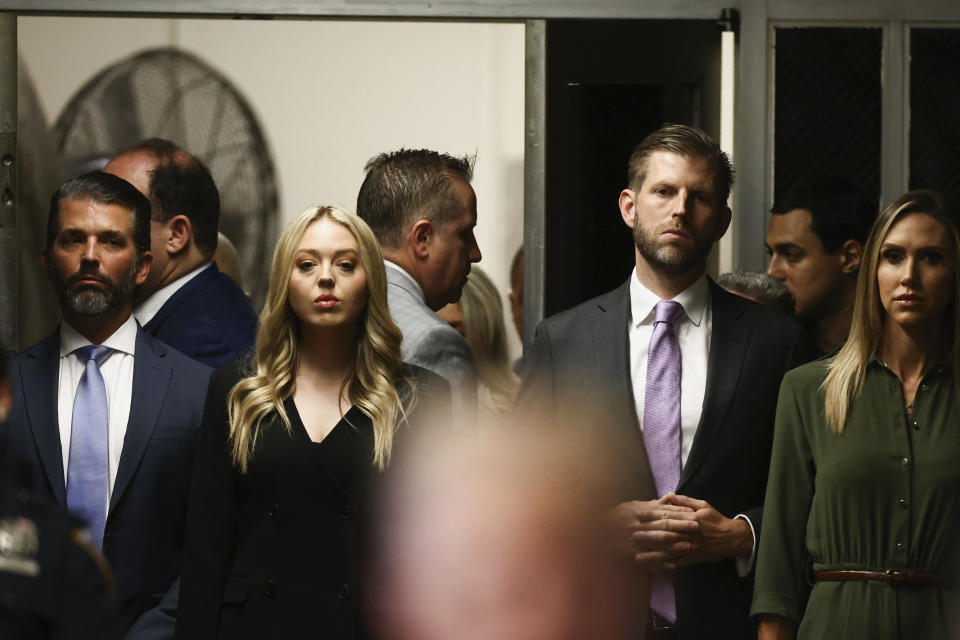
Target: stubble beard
[{"x": 670, "y": 259}]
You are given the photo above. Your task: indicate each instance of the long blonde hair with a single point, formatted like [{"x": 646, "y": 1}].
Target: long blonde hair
[
  {"x": 846, "y": 373},
  {"x": 486, "y": 334},
  {"x": 371, "y": 386}
]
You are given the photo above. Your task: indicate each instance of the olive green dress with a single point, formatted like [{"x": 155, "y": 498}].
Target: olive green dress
[{"x": 883, "y": 494}]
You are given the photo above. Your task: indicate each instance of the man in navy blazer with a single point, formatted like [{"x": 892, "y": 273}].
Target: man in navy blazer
[
  {"x": 97, "y": 254},
  {"x": 186, "y": 301}
]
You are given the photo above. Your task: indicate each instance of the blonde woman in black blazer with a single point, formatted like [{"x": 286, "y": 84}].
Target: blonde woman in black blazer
[{"x": 292, "y": 442}]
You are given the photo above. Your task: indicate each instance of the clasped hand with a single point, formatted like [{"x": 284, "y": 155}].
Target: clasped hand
[{"x": 676, "y": 530}]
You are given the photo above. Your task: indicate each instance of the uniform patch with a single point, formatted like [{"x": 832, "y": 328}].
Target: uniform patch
[{"x": 19, "y": 546}]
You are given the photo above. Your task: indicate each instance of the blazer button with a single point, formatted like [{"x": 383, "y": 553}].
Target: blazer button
[
  {"x": 343, "y": 592},
  {"x": 272, "y": 511},
  {"x": 269, "y": 588},
  {"x": 346, "y": 511}
]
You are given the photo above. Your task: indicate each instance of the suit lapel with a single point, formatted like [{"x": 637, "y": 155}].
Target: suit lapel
[
  {"x": 611, "y": 347},
  {"x": 610, "y": 334},
  {"x": 40, "y": 372},
  {"x": 728, "y": 346},
  {"x": 151, "y": 377}
]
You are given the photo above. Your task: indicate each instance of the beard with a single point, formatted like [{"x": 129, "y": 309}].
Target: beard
[
  {"x": 671, "y": 259},
  {"x": 85, "y": 301}
]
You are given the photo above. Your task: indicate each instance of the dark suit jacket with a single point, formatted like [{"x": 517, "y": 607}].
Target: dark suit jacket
[
  {"x": 143, "y": 539},
  {"x": 209, "y": 319},
  {"x": 583, "y": 353},
  {"x": 276, "y": 552}
]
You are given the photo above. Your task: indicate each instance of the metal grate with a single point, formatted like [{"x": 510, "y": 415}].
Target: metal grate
[
  {"x": 934, "y": 124},
  {"x": 828, "y": 97}
]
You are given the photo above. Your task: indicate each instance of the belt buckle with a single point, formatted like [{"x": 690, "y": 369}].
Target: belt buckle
[{"x": 897, "y": 576}]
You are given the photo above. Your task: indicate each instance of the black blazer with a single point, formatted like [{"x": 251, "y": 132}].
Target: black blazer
[
  {"x": 276, "y": 552},
  {"x": 584, "y": 353},
  {"x": 143, "y": 538},
  {"x": 209, "y": 319}
]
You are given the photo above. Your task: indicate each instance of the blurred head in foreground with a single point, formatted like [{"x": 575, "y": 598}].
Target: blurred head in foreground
[{"x": 500, "y": 535}]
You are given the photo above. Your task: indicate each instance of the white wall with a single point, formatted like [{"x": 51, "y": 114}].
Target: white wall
[{"x": 331, "y": 94}]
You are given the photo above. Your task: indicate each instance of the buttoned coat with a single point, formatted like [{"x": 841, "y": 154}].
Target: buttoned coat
[{"x": 276, "y": 551}]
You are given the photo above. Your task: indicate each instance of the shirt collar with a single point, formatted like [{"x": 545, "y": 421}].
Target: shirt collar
[
  {"x": 412, "y": 285},
  {"x": 123, "y": 339},
  {"x": 149, "y": 307},
  {"x": 935, "y": 369},
  {"x": 693, "y": 299}
]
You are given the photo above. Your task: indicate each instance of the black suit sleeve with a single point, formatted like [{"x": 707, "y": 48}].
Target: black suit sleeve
[
  {"x": 801, "y": 352},
  {"x": 210, "y": 539}
]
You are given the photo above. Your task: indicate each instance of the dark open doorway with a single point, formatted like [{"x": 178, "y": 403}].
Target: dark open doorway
[{"x": 609, "y": 84}]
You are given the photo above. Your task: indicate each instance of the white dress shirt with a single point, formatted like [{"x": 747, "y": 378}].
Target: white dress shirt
[
  {"x": 693, "y": 335},
  {"x": 693, "y": 332},
  {"x": 117, "y": 371},
  {"x": 148, "y": 308}
]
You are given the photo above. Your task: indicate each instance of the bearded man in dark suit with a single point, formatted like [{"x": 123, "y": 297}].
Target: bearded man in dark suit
[
  {"x": 105, "y": 418},
  {"x": 688, "y": 376}
]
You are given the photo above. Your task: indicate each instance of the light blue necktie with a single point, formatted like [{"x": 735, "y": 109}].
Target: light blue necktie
[
  {"x": 661, "y": 428},
  {"x": 88, "y": 485}
]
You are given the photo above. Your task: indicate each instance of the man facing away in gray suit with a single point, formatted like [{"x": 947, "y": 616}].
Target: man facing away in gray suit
[{"x": 423, "y": 210}]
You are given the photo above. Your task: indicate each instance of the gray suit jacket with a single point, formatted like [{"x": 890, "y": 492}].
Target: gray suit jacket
[
  {"x": 431, "y": 343},
  {"x": 583, "y": 355}
]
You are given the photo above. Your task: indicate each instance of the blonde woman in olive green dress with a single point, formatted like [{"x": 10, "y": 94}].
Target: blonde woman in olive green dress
[{"x": 865, "y": 476}]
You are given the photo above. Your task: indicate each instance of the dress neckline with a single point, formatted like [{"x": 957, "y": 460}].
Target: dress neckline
[{"x": 296, "y": 423}]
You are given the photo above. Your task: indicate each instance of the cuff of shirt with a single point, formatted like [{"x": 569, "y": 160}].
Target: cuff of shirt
[{"x": 745, "y": 560}]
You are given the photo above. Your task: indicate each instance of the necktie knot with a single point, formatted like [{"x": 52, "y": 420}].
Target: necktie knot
[
  {"x": 96, "y": 352},
  {"x": 668, "y": 311}
]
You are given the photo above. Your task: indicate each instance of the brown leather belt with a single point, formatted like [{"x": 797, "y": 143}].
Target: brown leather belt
[{"x": 890, "y": 576}]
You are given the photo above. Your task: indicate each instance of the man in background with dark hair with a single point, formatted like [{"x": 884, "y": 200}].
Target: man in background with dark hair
[
  {"x": 105, "y": 417},
  {"x": 815, "y": 241},
  {"x": 186, "y": 301},
  {"x": 423, "y": 210}
]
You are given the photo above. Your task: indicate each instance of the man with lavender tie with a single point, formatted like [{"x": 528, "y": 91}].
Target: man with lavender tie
[
  {"x": 687, "y": 376},
  {"x": 104, "y": 417}
]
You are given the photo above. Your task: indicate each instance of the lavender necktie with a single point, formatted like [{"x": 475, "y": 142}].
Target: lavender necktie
[
  {"x": 661, "y": 428},
  {"x": 87, "y": 475}
]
